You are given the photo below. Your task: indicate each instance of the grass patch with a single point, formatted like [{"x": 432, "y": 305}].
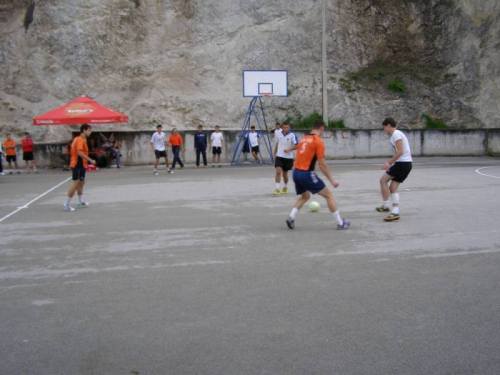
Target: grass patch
[
  {"x": 397, "y": 86},
  {"x": 431, "y": 123}
]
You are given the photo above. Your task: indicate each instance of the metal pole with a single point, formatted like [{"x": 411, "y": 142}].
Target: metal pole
[{"x": 325, "y": 80}]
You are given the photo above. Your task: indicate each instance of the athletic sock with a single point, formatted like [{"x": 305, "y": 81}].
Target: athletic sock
[
  {"x": 68, "y": 201},
  {"x": 80, "y": 198},
  {"x": 278, "y": 185},
  {"x": 386, "y": 204},
  {"x": 294, "y": 213},
  {"x": 338, "y": 219},
  {"x": 395, "y": 210}
]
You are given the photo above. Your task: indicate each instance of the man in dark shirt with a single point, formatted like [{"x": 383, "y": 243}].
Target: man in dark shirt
[{"x": 200, "y": 146}]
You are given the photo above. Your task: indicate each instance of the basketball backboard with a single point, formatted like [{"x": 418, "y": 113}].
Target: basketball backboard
[{"x": 265, "y": 83}]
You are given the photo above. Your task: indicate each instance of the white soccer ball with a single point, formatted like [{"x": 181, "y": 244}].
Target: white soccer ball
[{"x": 314, "y": 206}]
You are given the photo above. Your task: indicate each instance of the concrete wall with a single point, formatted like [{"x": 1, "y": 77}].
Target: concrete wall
[{"x": 340, "y": 144}]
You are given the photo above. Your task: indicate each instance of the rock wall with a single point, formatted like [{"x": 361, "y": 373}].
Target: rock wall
[{"x": 180, "y": 62}]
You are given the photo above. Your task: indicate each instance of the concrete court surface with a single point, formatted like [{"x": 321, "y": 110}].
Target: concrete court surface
[{"x": 197, "y": 273}]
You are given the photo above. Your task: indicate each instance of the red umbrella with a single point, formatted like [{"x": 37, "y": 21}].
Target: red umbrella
[{"x": 82, "y": 110}]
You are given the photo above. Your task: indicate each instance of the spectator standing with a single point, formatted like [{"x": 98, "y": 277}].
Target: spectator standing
[
  {"x": 27, "y": 146},
  {"x": 200, "y": 146},
  {"x": 10, "y": 154}
]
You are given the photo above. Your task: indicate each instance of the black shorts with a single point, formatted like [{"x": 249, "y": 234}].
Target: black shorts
[
  {"x": 255, "y": 149},
  {"x": 284, "y": 163},
  {"x": 400, "y": 170},
  {"x": 216, "y": 150},
  {"x": 78, "y": 173},
  {"x": 27, "y": 156},
  {"x": 10, "y": 158},
  {"x": 160, "y": 154}
]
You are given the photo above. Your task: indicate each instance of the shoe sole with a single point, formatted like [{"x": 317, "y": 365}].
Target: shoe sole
[{"x": 386, "y": 219}]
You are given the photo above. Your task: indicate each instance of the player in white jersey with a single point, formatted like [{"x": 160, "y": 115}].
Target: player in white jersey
[
  {"x": 158, "y": 143},
  {"x": 253, "y": 140},
  {"x": 286, "y": 142},
  {"x": 397, "y": 169},
  {"x": 216, "y": 144}
]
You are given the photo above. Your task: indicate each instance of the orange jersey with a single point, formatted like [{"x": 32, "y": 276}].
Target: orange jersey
[
  {"x": 79, "y": 144},
  {"x": 309, "y": 150},
  {"x": 175, "y": 140},
  {"x": 10, "y": 151}
]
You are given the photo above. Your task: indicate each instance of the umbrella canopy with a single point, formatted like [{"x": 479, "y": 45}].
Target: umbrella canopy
[{"x": 82, "y": 110}]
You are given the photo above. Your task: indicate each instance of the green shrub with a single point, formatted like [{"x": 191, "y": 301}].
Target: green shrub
[
  {"x": 431, "y": 123},
  {"x": 300, "y": 122},
  {"x": 397, "y": 86},
  {"x": 338, "y": 124}
]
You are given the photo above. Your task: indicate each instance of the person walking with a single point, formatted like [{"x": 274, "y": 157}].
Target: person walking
[{"x": 175, "y": 141}]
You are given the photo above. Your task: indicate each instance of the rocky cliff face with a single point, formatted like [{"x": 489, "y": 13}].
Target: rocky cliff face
[{"x": 180, "y": 61}]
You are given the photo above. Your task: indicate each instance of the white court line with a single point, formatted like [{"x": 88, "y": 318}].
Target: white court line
[
  {"x": 484, "y": 174},
  {"x": 34, "y": 200}
]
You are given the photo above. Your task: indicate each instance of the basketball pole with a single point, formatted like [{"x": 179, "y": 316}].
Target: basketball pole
[{"x": 325, "y": 82}]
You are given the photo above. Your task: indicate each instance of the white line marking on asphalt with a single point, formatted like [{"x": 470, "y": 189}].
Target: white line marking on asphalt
[
  {"x": 34, "y": 200},
  {"x": 484, "y": 174}
]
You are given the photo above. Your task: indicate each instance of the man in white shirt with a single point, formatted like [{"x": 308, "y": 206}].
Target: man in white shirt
[
  {"x": 216, "y": 144},
  {"x": 276, "y": 131},
  {"x": 158, "y": 145},
  {"x": 397, "y": 169},
  {"x": 286, "y": 142},
  {"x": 253, "y": 139}
]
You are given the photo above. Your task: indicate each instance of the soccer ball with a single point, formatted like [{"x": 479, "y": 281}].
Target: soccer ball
[{"x": 314, "y": 206}]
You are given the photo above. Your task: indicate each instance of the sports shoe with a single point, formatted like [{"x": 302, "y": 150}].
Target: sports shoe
[
  {"x": 277, "y": 192},
  {"x": 155, "y": 173},
  {"x": 345, "y": 225},
  {"x": 219, "y": 166},
  {"x": 11, "y": 172},
  {"x": 19, "y": 172},
  {"x": 67, "y": 208},
  {"x": 392, "y": 217},
  {"x": 382, "y": 209},
  {"x": 169, "y": 170},
  {"x": 291, "y": 223},
  {"x": 213, "y": 165},
  {"x": 285, "y": 189},
  {"x": 2, "y": 174},
  {"x": 82, "y": 204}
]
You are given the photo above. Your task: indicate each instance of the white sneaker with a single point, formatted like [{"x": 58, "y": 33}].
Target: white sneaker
[
  {"x": 68, "y": 208},
  {"x": 2, "y": 174},
  {"x": 155, "y": 173},
  {"x": 82, "y": 204}
]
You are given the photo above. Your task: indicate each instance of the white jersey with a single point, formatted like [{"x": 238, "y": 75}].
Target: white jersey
[
  {"x": 276, "y": 134},
  {"x": 286, "y": 141},
  {"x": 254, "y": 138},
  {"x": 158, "y": 139},
  {"x": 396, "y": 136},
  {"x": 217, "y": 139}
]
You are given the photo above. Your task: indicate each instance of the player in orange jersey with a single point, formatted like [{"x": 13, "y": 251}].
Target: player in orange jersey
[
  {"x": 79, "y": 159},
  {"x": 310, "y": 150}
]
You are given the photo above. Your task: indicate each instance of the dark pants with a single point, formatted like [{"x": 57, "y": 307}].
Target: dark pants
[
  {"x": 176, "y": 150},
  {"x": 1, "y": 166},
  {"x": 204, "y": 153}
]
